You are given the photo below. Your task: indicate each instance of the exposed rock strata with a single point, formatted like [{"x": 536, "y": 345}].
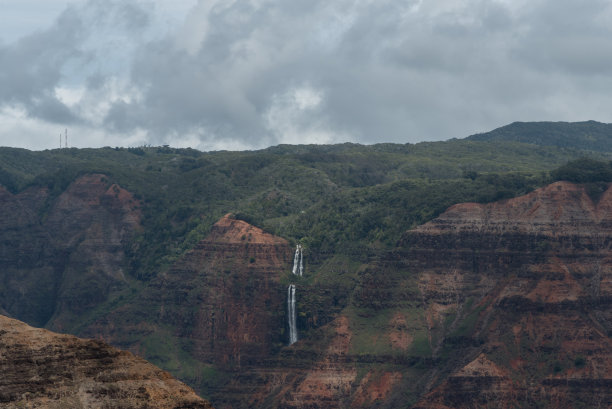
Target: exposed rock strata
[
  {"x": 506, "y": 304},
  {"x": 42, "y": 369},
  {"x": 523, "y": 287},
  {"x": 91, "y": 223}
]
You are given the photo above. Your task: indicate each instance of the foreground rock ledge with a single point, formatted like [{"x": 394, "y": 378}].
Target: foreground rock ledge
[{"x": 42, "y": 369}]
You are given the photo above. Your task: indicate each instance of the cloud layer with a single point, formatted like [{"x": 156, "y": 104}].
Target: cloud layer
[{"x": 253, "y": 73}]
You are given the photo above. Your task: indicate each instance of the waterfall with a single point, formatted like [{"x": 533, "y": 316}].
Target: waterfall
[
  {"x": 301, "y": 262},
  {"x": 298, "y": 261},
  {"x": 293, "y": 336},
  {"x": 298, "y": 270}
]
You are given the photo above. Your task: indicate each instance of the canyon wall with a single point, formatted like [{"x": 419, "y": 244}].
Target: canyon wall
[
  {"x": 521, "y": 291},
  {"x": 219, "y": 309},
  {"x": 499, "y": 305},
  {"x": 489, "y": 305},
  {"x": 507, "y": 302},
  {"x": 64, "y": 255}
]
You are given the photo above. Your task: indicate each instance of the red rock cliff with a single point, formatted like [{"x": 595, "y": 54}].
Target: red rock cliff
[
  {"x": 523, "y": 287},
  {"x": 223, "y": 300}
]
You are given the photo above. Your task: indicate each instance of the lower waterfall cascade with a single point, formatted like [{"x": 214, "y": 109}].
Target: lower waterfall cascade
[{"x": 293, "y": 335}]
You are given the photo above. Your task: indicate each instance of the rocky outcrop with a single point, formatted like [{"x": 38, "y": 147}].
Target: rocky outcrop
[
  {"x": 44, "y": 369},
  {"x": 62, "y": 256},
  {"x": 240, "y": 313}
]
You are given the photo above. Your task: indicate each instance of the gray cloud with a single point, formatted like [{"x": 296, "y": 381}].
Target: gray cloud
[
  {"x": 568, "y": 36},
  {"x": 34, "y": 66},
  {"x": 255, "y": 73},
  {"x": 31, "y": 68}
]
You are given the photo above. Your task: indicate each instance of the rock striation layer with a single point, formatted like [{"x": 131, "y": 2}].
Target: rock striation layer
[
  {"x": 42, "y": 369},
  {"x": 523, "y": 290}
]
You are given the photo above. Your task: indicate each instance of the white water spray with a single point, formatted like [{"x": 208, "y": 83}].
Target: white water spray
[
  {"x": 298, "y": 261},
  {"x": 301, "y": 262},
  {"x": 293, "y": 336},
  {"x": 298, "y": 269}
]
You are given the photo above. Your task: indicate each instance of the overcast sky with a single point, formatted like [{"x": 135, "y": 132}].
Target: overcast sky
[{"x": 245, "y": 74}]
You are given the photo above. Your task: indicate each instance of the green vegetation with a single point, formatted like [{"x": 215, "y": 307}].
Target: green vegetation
[
  {"x": 579, "y": 362},
  {"x": 332, "y": 198},
  {"x": 584, "y": 170},
  {"x": 588, "y": 135},
  {"x": 594, "y": 174}
]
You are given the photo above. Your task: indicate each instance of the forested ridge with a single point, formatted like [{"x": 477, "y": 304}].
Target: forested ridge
[{"x": 329, "y": 197}]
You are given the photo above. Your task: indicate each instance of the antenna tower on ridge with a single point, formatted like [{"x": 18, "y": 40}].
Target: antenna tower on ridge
[{"x": 66, "y": 140}]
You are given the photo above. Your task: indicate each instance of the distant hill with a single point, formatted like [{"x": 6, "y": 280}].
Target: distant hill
[{"x": 589, "y": 135}]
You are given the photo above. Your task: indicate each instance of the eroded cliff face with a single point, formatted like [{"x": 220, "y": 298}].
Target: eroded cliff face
[
  {"x": 29, "y": 270},
  {"x": 44, "y": 369},
  {"x": 326, "y": 373},
  {"x": 523, "y": 289},
  {"x": 233, "y": 276},
  {"x": 64, "y": 255},
  {"x": 221, "y": 306}
]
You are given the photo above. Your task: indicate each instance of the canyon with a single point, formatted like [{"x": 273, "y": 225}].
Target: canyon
[{"x": 505, "y": 304}]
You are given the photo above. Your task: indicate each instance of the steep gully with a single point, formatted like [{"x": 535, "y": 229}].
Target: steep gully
[{"x": 63, "y": 256}]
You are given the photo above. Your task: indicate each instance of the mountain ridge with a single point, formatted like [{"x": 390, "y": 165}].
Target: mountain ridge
[{"x": 588, "y": 135}]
